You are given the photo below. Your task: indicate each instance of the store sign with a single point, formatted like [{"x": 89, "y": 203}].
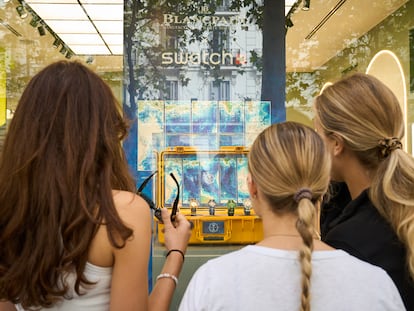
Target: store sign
[
  {"x": 205, "y": 58},
  {"x": 204, "y": 20}
]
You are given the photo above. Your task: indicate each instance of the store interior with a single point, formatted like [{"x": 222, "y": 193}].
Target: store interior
[{"x": 325, "y": 40}]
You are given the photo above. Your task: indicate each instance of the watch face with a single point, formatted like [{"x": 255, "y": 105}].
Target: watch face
[
  {"x": 231, "y": 204},
  {"x": 212, "y": 203},
  {"x": 193, "y": 203}
]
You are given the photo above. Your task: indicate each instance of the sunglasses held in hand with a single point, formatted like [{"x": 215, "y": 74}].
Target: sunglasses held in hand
[{"x": 157, "y": 210}]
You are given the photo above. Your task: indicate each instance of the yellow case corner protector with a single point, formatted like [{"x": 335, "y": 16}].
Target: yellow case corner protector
[{"x": 196, "y": 171}]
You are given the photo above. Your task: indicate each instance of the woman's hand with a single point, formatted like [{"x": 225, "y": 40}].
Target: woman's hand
[{"x": 176, "y": 234}]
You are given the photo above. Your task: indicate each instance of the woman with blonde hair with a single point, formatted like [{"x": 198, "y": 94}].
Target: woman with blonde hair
[
  {"x": 290, "y": 269},
  {"x": 372, "y": 214},
  {"x": 73, "y": 233}
]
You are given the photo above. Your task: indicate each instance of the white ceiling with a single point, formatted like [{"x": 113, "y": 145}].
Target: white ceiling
[{"x": 88, "y": 27}]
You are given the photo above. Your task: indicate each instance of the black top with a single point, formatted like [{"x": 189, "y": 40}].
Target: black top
[{"x": 356, "y": 227}]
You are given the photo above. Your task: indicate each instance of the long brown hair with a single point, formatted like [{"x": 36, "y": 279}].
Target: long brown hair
[
  {"x": 287, "y": 158},
  {"x": 61, "y": 160},
  {"x": 365, "y": 112}
]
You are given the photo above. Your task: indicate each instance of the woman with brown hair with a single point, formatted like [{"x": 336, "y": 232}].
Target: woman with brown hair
[
  {"x": 73, "y": 233},
  {"x": 371, "y": 214},
  {"x": 290, "y": 269}
]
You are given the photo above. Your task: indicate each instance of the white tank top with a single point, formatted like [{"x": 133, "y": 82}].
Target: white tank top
[{"x": 96, "y": 296}]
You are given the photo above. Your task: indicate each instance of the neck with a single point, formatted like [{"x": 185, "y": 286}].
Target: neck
[
  {"x": 356, "y": 187},
  {"x": 289, "y": 235},
  {"x": 356, "y": 176},
  {"x": 283, "y": 227},
  {"x": 284, "y": 234},
  {"x": 278, "y": 228}
]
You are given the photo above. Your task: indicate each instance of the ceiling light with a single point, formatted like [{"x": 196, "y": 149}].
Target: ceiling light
[
  {"x": 56, "y": 43},
  {"x": 89, "y": 60},
  {"x": 289, "y": 22},
  {"x": 63, "y": 50},
  {"x": 306, "y": 5},
  {"x": 41, "y": 30},
  {"x": 21, "y": 10},
  {"x": 34, "y": 21}
]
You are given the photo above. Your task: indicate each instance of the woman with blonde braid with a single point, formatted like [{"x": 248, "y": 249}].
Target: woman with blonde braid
[
  {"x": 372, "y": 214},
  {"x": 290, "y": 269}
]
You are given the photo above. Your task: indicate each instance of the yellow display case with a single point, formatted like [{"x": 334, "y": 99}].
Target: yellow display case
[
  {"x": 204, "y": 176},
  {"x": 222, "y": 229}
]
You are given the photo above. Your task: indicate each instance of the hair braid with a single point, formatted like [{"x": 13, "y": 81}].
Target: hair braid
[{"x": 304, "y": 225}]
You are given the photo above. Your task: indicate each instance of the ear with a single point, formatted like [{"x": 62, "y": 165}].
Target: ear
[
  {"x": 251, "y": 186},
  {"x": 337, "y": 144}
]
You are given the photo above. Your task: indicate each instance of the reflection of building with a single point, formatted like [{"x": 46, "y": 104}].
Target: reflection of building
[
  {"x": 214, "y": 66},
  {"x": 324, "y": 42}
]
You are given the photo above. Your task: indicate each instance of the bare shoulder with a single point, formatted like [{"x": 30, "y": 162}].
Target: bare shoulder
[
  {"x": 129, "y": 204},
  {"x": 134, "y": 213}
]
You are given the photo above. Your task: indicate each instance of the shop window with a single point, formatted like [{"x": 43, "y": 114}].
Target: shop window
[
  {"x": 171, "y": 90},
  {"x": 223, "y": 6},
  {"x": 171, "y": 40},
  {"x": 220, "y": 90},
  {"x": 220, "y": 40}
]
